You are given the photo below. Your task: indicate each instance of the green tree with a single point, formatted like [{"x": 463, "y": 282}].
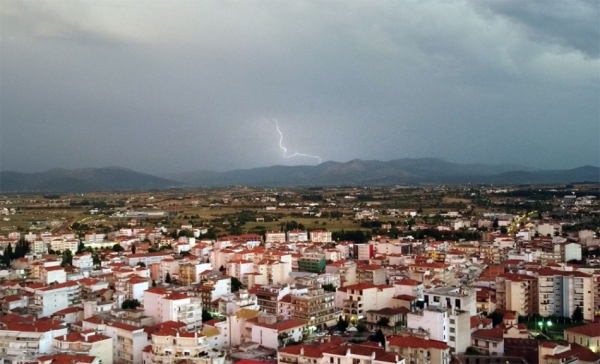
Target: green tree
[
  {"x": 384, "y": 321},
  {"x": 67, "y": 258},
  {"x": 22, "y": 248},
  {"x": 7, "y": 257},
  {"x": 379, "y": 337},
  {"x": 341, "y": 325},
  {"x": 168, "y": 278},
  {"x": 577, "y": 314},
  {"x": 496, "y": 317},
  {"x": 131, "y": 304},
  {"x": 329, "y": 287},
  {"x": 117, "y": 248},
  {"x": 206, "y": 316},
  {"x": 361, "y": 327},
  {"x": 80, "y": 247},
  {"x": 235, "y": 284}
]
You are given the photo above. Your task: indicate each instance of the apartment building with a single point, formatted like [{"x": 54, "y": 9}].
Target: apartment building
[
  {"x": 128, "y": 341},
  {"x": 233, "y": 302},
  {"x": 85, "y": 343},
  {"x": 164, "y": 305},
  {"x": 374, "y": 274},
  {"x": 320, "y": 236},
  {"x": 269, "y": 271},
  {"x": 346, "y": 269},
  {"x": 312, "y": 262},
  {"x": 214, "y": 288},
  {"x": 357, "y": 299},
  {"x": 169, "y": 345},
  {"x": 430, "y": 271},
  {"x": 239, "y": 268},
  {"x": 92, "y": 289},
  {"x": 455, "y": 298},
  {"x": 364, "y": 251},
  {"x": 271, "y": 333},
  {"x": 146, "y": 258},
  {"x": 268, "y": 297},
  {"x": 22, "y": 340},
  {"x": 130, "y": 288},
  {"x": 416, "y": 350},
  {"x": 410, "y": 287},
  {"x": 84, "y": 261},
  {"x": 560, "y": 292},
  {"x": 315, "y": 307},
  {"x": 517, "y": 292},
  {"x": 294, "y": 236},
  {"x": 53, "y": 274},
  {"x": 275, "y": 237},
  {"x": 444, "y": 324},
  {"x": 50, "y": 299}
]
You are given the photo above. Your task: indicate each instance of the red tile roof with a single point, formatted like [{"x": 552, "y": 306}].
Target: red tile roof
[{"x": 415, "y": 342}]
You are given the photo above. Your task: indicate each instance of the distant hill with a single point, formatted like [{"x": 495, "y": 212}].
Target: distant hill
[
  {"x": 399, "y": 171},
  {"x": 80, "y": 180},
  {"x": 356, "y": 172}
]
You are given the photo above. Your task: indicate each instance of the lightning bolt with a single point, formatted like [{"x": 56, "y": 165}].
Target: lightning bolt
[{"x": 285, "y": 149}]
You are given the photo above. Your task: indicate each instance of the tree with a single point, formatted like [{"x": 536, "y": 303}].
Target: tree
[
  {"x": 379, "y": 337},
  {"x": 21, "y": 249},
  {"x": 7, "y": 257},
  {"x": 206, "y": 316},
  {"x": 235, "y": 284},
  {"x": 131, "y": 304},
  {"x": 361, "y": 327},
  {"x": 96, "y": 260},
  {"x": 384, "y": 321},
  {"x": 329, "y": 287},
  {"x": 80, "y": 247},
  {"x": 117, "y": 248},
  {"x": 577, "y": 314},
  {"x": 168, "y": 278},
  {"x": 341, "y": 325},
  {"x": 496, "y": 317},
  {"x": 67, "y": 258}
]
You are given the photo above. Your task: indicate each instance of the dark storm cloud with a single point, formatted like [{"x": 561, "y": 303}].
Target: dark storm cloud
[
  {"x": 572, "y": 24},
  {"x": 174, "y": 86}
]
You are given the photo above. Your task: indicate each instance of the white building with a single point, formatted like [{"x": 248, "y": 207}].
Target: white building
[
  {"x": 88, "y": 343},
  {"x": 171, "y": 345},
  {"x": 294, "y": 236},
  {"x": 128, "y": 341},
  {"x": 164, "y": 305},
  {"x": 275, "y": 237},
  {"x": 320, "y": 236}
]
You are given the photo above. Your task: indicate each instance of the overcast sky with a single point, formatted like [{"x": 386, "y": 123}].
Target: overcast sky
[{"x": 169, "y": 86}]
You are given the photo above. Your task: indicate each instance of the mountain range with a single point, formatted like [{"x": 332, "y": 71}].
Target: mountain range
[{"x": 355, "y": 172}]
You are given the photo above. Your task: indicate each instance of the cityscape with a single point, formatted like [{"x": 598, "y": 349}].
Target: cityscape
[
  {"x": 398, "y": 274},
  {"x": 299, "y": 182}
]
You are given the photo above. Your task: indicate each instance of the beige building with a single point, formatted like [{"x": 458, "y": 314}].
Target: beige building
[
  {"x": 88, "y": 343},
  {"x": 315, "y": 307},
  {"x": 419, "y": 350},
  {"x": 171, "y": 345},
  {"x": 517, "y": 292},
  {"x": 357, "y": 299}
]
